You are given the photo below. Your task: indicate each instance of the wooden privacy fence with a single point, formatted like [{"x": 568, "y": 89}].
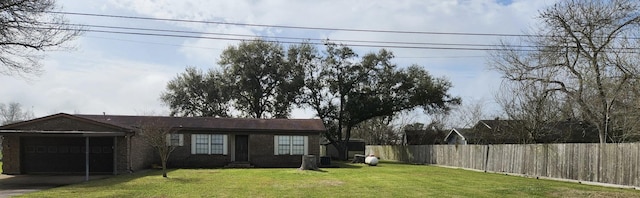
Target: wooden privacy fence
[{"x": 567, "y": 161}]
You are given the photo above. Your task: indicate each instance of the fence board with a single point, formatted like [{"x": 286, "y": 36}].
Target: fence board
[{"x": 620, "y": 162}]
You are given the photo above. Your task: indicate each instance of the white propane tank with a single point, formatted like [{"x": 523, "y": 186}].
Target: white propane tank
[{"x": 372, "y": 160}]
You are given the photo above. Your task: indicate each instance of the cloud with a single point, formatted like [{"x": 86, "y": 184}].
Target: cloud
[
  {"x": 89, "y": 83},
  {"x": 122, "y": 74}
]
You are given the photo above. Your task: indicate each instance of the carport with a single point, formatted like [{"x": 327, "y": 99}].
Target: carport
[{"x": 63, "y": 145}]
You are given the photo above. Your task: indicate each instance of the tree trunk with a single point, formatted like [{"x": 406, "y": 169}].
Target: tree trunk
[
  {"x": 164, "y": 168},
  {"x": 309, "y": 163},
  {"x": 341, "y": 146}
]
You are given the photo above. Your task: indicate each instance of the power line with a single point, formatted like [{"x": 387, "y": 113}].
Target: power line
[
  {"x": 296, "y": 38},
  {"x": 154, "y": 43},
  {"x": 353, "y": 43},
  {"x": 189, "y": 46},
  {"x": 296, "y": 27}
]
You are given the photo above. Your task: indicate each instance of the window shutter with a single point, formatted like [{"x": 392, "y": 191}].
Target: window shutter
[
  {"x": 181, "y": 143},
  {"x": 167, "y": 139},
  {"x": 210, "y": 137},
  {"x": 193, "y": 143},
  {"x": 275, "y": 145},
  {"x": 224, "y": 144},
  {"x": 306, "y": 145}
]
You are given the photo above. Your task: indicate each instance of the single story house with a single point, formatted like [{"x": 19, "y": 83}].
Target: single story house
[
  {"x": 459, "y": 136},
  {"x": 111, "y": 144},
  {"x": 424, "y": 137}
]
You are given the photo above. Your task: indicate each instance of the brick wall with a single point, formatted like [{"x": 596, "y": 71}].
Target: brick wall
[
  {"x": 121, "y": 155},
  {"x": 11, "y": 155},
  {"x": 142, "y": 155},
  {"x": 260, "y": 153},
  {"x": 182, "y": 157}
]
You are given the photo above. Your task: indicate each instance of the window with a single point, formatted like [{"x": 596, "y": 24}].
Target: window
[
  {"x": 175, "y": 139},
  {"x": 290, "y": 145},
  {"x": 212, "y": 144}
]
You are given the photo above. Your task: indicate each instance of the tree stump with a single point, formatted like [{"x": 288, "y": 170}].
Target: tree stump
[{"x": 309, "y": 163}]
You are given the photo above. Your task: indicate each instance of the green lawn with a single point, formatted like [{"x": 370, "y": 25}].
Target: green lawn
[{"x": 385, "y": 180}]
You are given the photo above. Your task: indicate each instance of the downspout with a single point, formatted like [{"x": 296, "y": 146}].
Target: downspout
[
  {"x": 115, "y": 155},
  {"x": 86, "y": 158},
  {"x": 129, "y": 154}
]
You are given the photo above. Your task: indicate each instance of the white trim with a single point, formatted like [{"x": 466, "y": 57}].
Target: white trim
[
  {"x": 306, "y": 145},
  {"x": 193, "y": 144},
  {"x": 224, "y": 144},
  {"x": 454, "y": 130},
  {"x": 275, "y": 144}
]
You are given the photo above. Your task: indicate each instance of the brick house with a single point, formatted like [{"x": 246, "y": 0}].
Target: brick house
[{"x": 57, "y": 143}]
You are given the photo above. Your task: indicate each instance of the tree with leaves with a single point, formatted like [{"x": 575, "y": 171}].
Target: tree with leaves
[
  {"x": 260, "y": 79},
  {"x": 264, "y": 79},
  {"x": 585, "y": 51},
  {"x": 26, "y": 29},
  {"x": 195, "y": 93},
  {"x": 345, "y": 92},
  {"x": 157, "y": 135}
]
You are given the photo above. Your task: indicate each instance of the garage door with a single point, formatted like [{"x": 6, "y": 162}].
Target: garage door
[{"x": 66, "y": 154}]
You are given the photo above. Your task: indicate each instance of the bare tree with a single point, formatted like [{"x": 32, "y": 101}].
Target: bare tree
[
  {"x": 377, "y": 131},
  {"x": 534, "y": 107},
  {"x": 161, "y": 137},
  {"x": 466, "y": 115},
  {"x": 585, "y": 51},
  {"x": 13, "y": 112},
  {"x": 27, "y": 28}
]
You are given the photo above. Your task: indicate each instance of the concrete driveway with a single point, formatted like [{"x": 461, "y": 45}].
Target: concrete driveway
[{"x": 12, "y": 185}]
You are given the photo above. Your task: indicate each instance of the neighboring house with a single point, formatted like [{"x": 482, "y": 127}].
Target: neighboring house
[
  {"x": 459, "y": 136},
  {"x": 498, "y": 132},
  {"x": 58, "y": 143},
  {"x": 515, "y": 132},
  {"x": 354, "y": 146},
  {"x": 424, "y": 137},
  {"x": 568, "y": 131}
]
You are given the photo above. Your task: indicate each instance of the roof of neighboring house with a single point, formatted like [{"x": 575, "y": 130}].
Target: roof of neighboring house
[
  {"x": 465, "y": 133},
  {"x": 569, "y": 131},
  {"x": 425, "y": 136},
  {"x": 495, "y": 124},
  {"x": 194, "y": 123}
]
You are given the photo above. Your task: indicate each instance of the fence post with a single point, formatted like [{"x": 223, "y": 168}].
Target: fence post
[{"x": 486, "y": 159}]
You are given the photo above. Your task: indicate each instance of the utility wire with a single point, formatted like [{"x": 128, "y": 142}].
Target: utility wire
[
  {"x": 294, "y": 38},
  {"x": 296, "y": 27},
  {"x": 399, "y": 45}
]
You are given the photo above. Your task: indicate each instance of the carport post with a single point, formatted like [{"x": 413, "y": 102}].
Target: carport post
[{"x": 86, "y": 158}]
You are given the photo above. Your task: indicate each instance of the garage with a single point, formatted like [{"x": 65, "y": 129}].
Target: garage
[{"x": 64, "y": 155}]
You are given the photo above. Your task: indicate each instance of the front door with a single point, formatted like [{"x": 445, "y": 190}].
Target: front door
[{"x": 242, "y": 148}]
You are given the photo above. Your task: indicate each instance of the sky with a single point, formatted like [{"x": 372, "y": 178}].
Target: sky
[{"x": 125, "y": 74}]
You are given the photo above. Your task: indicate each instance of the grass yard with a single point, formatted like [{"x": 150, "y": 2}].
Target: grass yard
[{"x": 385, "y": 180}]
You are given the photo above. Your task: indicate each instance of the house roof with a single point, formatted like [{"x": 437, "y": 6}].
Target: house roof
[
  {"x": 424, "y": 136},
  {"x": 128, "y": 123},
  {"x": 495, "y": 124},
  {"x": 465, "y": 133},
  {"x": 211, "y": 123}
]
